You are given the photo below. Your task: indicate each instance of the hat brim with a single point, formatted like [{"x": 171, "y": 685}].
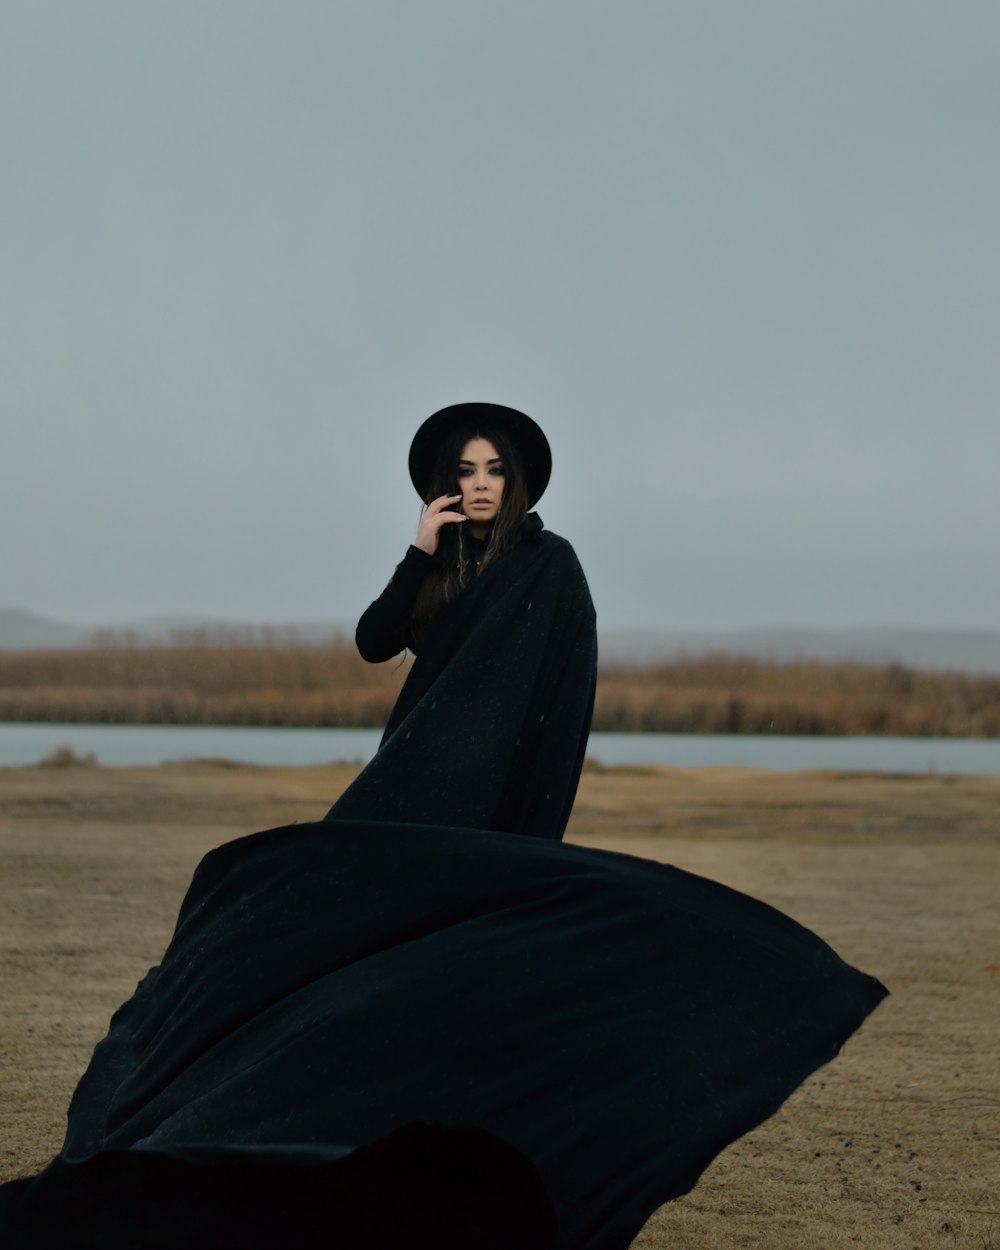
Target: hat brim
[{"x": 517, "y": 426}]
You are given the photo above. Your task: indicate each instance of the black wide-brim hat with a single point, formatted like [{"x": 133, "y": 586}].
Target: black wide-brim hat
[{"x": 526, "y": 434}]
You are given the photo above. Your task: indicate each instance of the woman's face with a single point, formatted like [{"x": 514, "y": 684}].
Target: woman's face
[{"x": 481, "y": 479}]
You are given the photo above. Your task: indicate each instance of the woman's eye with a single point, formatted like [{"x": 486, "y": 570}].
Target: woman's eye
[
  {"x": 497, "y": 470},
  {"x": 465, "y": 473}
]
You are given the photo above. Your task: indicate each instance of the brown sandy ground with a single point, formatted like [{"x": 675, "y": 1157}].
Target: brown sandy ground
[{"x": 895, "y": 1146}]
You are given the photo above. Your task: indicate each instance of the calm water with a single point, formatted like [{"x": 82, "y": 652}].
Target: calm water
[{"x": 153, "y": 744}]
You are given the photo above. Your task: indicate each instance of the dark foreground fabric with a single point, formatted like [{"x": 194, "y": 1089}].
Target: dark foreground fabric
[
  {"x": 490, "y": 728},
  {"x": 246, "y": 1198},
  {"x": 615, "y": 1021}
]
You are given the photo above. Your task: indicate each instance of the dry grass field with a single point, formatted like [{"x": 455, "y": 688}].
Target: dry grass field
[{"x": 895, "y": 1146}]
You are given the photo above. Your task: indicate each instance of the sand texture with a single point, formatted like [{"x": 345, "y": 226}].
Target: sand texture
[{"x": 895, "y": 1146}]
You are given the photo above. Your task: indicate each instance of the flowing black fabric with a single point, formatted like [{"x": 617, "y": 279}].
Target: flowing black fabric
[
  {"x": 403, "y": 1026},
  {"x": 616, "y": 1021},
  {"x": 490, "y": 728}
]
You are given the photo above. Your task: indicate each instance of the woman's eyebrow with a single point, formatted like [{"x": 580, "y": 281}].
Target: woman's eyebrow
[{"x": 492, "y": 460}]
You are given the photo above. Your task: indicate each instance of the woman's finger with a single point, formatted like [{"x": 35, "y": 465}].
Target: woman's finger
[
  {"x": 434, "y": 521},
  {"x": 442, "y": 501}
]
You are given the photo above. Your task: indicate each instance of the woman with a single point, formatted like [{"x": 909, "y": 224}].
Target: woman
[
  {"x": 594, "y": 1028},
  {"x": 490, "y": 728}
]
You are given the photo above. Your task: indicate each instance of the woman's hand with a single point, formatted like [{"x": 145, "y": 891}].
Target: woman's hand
[{"x": 432, "y": 520}]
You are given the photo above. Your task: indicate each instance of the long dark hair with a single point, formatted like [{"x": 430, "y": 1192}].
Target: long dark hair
[{"x": 454, "y": 566}]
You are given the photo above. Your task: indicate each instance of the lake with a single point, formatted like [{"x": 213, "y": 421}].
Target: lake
[{"x": 154, "y": 744}]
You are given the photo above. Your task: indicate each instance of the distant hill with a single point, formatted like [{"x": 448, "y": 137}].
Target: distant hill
[
  {"x": 957, "y": 650},
  {"x": 20, "y": 631}
]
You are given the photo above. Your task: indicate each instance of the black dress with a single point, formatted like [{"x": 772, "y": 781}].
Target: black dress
[{"x": 405, "y": 1026}]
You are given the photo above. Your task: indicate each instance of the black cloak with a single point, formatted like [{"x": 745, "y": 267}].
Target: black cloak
[
  {"x": 404, "y": 1026},
  {"x": 490, "y": 728}
]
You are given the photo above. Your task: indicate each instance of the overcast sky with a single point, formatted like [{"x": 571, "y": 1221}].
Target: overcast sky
[{"x": 739, "y": 260}]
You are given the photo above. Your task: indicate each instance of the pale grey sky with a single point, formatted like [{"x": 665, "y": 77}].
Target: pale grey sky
[{"x": 739, "y": 260}]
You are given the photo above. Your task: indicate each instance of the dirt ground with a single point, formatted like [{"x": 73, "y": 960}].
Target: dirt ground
[{"x": 895, "y": 1146}]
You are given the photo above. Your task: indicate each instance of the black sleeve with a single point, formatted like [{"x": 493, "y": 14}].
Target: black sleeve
[{"x": 382, "y": 631}]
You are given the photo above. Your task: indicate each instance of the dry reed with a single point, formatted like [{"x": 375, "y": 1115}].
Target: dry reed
[{"x": 233, "y": 680}]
